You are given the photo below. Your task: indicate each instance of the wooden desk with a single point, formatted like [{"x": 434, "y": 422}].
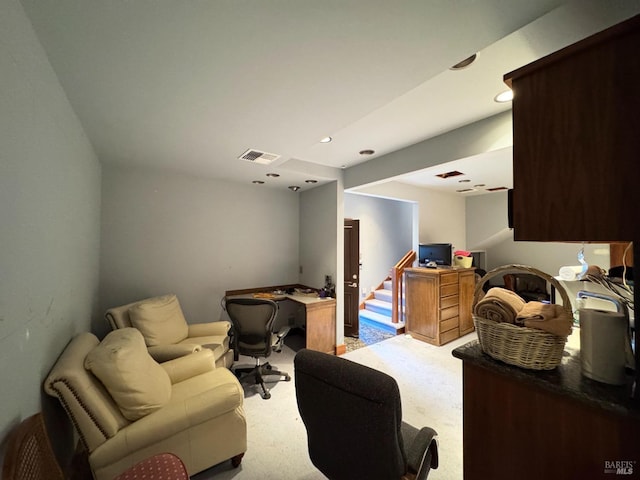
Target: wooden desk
[{"x": 320, "y": 315}]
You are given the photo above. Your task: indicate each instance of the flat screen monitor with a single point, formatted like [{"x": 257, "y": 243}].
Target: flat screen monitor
[{"x": 440, "y": 253}]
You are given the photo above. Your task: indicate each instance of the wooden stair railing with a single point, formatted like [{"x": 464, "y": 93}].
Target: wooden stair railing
[{"x": 397, "y": 280}]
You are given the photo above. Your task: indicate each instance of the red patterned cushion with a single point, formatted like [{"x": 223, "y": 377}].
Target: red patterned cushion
[{"x": 164, "y": 466}]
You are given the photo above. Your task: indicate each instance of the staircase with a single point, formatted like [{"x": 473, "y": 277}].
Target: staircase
[{"x": 377, "y": 310}]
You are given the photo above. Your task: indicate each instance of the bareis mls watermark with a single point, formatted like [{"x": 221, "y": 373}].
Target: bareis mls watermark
[{"x": 619, "y": 467}]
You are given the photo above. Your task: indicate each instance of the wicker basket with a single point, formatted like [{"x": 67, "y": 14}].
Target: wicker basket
[{"x": 520, "y": 346}]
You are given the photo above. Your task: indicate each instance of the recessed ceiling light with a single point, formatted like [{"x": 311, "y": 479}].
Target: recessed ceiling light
[
  {"x": 294, "y": 188},
  {"x": 343, "y": 166},
  {"x": 326, "y": 140},
  {"x": 311, "y": 181},
  {"x": 464, "y": 181},
  {"x": 273, "y": 175},
  {"x": 367, "y": 152},
  {"x": 258, "y": 182},
  {"x": 504, "y": 97},
  {"x": 464, "y": 63}
]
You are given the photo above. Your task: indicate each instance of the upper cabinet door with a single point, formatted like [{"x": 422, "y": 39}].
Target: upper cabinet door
[{"x": 576, "y": 134}]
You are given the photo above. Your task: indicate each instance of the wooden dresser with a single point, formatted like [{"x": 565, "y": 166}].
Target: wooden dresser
[{"x": 438, "y": 303}]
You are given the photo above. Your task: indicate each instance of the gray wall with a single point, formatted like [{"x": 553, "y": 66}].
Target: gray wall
[
  {"x": 487, "y": 229},
  {"x": 49, "y": 212},
  {"x": 322, "y": 242},
  {"x": 195, "y": 237},
  {"x": 385, "y": 235}
]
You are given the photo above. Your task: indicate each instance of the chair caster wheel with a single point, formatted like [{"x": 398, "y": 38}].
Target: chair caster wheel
[
  {"x": 266, "y": 396},
  {"x": 268, "y": 367},
  {"x": 287, "y": 378}
]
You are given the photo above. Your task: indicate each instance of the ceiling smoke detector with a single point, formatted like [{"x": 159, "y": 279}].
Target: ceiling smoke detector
[{"x": 258, "y": 156}]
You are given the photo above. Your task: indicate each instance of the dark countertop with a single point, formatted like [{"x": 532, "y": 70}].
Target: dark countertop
[{"x": 565, "y": 379}]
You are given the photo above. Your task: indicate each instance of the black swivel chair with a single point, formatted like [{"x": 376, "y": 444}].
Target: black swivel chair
[
  {"x": 353, "y": 418},
  {"x": 253, "y": 335}
]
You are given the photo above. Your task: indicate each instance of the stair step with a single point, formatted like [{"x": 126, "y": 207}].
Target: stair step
[
  {"x": 380, "y": 321},
  {"x": 378, "y": 306},
  {"x": 388, "y": 285},
  {"x": 384, "y": 295}
]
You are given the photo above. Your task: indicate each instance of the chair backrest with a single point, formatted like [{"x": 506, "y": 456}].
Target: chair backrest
[
  {"x": 118, "y": 317},
  {"x": 29, "y": 455},
  {"x": 353, "y": 417},
  {"x": 95, "y": 415},
  {"x": 252, "y": 320}
]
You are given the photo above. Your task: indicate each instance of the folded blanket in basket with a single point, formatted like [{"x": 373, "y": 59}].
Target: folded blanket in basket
[
  {"x": 499, "y": 305},
  {"x": 544, "y": 316}
]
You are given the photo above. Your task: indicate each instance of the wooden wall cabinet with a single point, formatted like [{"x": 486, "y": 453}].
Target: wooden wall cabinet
[
  {"x": 576, "y": 140},
  {"x": 438, "y": 303}
]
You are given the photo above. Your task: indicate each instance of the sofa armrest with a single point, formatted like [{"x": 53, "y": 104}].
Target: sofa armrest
[
  {"x": 207, "y": 329},
  {"x": 164, "y": 353},
  {"x": 180, "y": 369}
]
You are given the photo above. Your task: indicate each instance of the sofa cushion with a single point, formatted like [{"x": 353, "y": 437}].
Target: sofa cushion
[
  {"x": 137, "y": 383},
  {"x": 160, "y": 320}
]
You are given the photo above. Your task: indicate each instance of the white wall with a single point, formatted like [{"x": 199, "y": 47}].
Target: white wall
[
  {"x": 487, "y": 229},
  {"x": 483, "y": 136},
  {"x": 385, "y": 235},
  {"x": 49, "y": 217},
  {"x": 441, "y": 216},
  {"x": 195, "y": 237}
]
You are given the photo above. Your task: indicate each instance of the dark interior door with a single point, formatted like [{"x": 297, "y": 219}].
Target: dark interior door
[{"x": 351, "y": 276}]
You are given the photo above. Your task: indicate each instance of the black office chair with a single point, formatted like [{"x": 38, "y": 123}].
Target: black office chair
[
  {"x": 253, "y": 335},
  {"x": 353, "y": 418}
]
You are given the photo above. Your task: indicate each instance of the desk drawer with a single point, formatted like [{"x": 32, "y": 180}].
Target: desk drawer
[
  {"x": 450, "y": 312},
  {"x": 448, "y": 278},
  {"x": 446, "y": 290},
  {"x": 447, "y": 325},
  {"x": 447, "y": 336},
  {"x": 449, "y": 301}
]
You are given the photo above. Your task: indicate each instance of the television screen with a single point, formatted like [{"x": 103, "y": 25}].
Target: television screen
[{"x": 440, "y": 253}]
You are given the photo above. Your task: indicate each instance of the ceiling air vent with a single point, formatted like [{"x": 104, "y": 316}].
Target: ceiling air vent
[
  {"x": 453, "y": 173},
  {"x": 258, "y": 156},
  {"x": 496, "y": 189}
]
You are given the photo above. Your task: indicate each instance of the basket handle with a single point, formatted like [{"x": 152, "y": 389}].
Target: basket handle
[{"x": 566, "y": 303}]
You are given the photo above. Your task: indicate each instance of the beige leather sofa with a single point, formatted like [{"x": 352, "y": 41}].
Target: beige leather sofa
[
  {"x": 166, "y": 332},
  {"x": 127, "y": 407}
]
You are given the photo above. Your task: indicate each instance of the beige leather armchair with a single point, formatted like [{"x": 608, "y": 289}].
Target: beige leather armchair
[
  {"x": 167, "y": 333},
  {"x": 126, "y": 407}
]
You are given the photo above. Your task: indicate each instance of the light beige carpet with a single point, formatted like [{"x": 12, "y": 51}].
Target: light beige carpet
[{"x": 430, "y": 381}]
